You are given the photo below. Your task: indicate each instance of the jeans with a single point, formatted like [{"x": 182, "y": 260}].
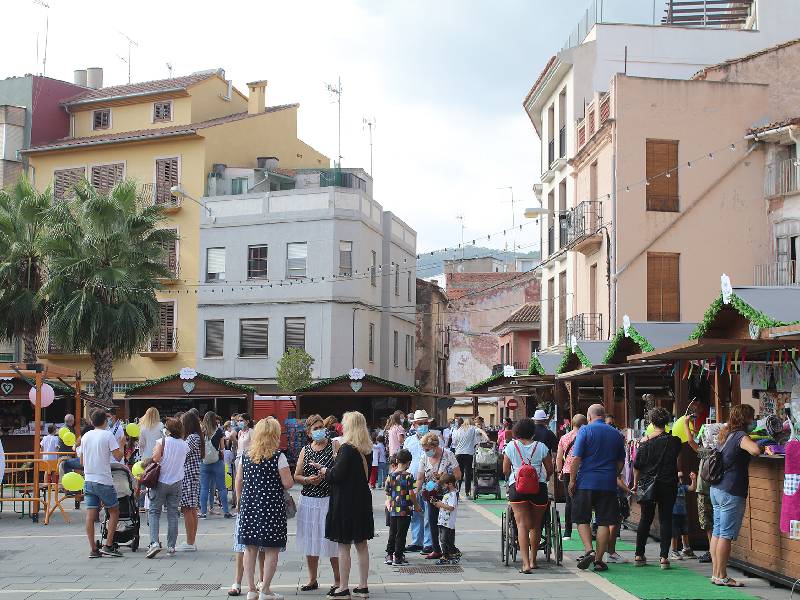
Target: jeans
[
  {"x": 465, "y": 463},
  {"x": 398, "y": 530},
  {"x": 567, "y": 507},
  {"x": 447, "y": 541},
  {"x": 664, "y": 498},
  {"x": 420, "y": 530},
  {"x": 728, "y": 514},
  {"x": 168, "y": 495},
  {"x": 212, "y": 476},
  {"x": 432, "y": 515},
  {"x": 383, "y": 473}
]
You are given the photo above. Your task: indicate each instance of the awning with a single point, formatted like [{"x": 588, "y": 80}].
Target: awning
[
  {"x": 710, "y": 347},
  {"x": 597, "y": 372}
]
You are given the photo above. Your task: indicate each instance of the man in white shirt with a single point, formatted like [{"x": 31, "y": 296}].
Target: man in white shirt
[{"x": 99, "y": 447}]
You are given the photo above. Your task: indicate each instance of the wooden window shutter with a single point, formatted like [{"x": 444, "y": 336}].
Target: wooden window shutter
[
  {"x": 164, "y": 339},
  {"x": 663, "y": 286},
  {"x": 662, "y": 158},
  {"x": 64, "y": 180},
  {"x": 166, "y": 178},
  {"x": 105, "y": 177}
]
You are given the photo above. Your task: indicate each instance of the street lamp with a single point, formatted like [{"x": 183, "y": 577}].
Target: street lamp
[{"x": 178, "y": 191}]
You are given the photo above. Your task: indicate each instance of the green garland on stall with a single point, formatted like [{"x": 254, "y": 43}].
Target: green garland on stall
[
  {"x": 584, "y": 360},
  {"x": 535, "y": 366},
  {"x": 756, "y": 317},
  {"x": 564, "y": 360},
  {"x": 203, "y": 376},
  {"x": 346, "y": 377},
  {"x": 637, "y": 337},
  {"x": 582, "y": 357},
  {"x": 483, "y": 382}
]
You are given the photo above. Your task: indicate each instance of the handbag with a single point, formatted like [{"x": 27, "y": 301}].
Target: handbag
[
  {"x": 645, "y": 491},
  {"x": 152, "y": 472}
]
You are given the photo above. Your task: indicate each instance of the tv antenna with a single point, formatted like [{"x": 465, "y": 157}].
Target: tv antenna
[
  {"x": 169, "y": 68},
  {"x": 46, "y": 6},
  {"x": 513, "y": 218},
  {"x": 337, "y": 91},
  {"x": 371, "y": 123},
  {"x": 460, "y": 219},
  {"x": 131, "y": 43}
]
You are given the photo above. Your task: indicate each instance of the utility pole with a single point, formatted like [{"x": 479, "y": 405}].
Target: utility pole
[
  {"x": 46, "y": 6},
  {"x": 337, "y": 90},
  {"x": 370, "y": 122}
]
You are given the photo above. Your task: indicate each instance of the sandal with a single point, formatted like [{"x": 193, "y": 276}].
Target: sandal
[
  {"x": 639, "y": 561},
  {"x": 726, "y": 582},
  {"x": 309, "y": 587},
  {"x": 665, "y": 564},
  {"x": 235, "y": 590}
]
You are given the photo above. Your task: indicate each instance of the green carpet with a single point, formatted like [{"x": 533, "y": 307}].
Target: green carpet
[{"x": 677, "y": 583}]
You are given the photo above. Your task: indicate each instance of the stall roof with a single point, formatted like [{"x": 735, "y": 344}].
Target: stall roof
[
  {"x": 585, "y": 354},
  {"x": 646, "y": 337},
  {"x": 156, "y": 385},
  {"x": 764, "y": 307},
  {"x": 597, "y": 371},
  {"x": 545, "y": 363},
  {"x": 377, "y": 383},
  {"x": 708, "y": 347}
]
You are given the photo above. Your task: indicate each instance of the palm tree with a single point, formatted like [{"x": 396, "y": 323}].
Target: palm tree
[
  {"x": 23, "y": 229},
  {"x": 106, "y": 254}
]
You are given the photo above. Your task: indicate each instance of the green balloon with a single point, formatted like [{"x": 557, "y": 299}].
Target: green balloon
[
  {"x": 72, "y": 482},
  {"x": 137, "y": 469}
]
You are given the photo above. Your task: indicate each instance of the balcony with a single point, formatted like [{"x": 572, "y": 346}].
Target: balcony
[
  {"x": 702, "y": 13},
  {"x": 160, "y": 195},
  {"x": 172, "y": 265},
  {"x": 778, "y": 273},
  {"x": 520, "y": 367},
  {"x": 563, "y": 231},
  {"x": 585, "y": 222},
  {"x": 782, "y": 177},
  {"x": 584, "y": 326},
  {"x": 48, "y": 349},
  {"x": 163, "y": 345}
]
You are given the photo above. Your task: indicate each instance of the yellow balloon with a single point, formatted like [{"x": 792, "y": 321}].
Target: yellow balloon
[
  {"x": 72, "y": 482},
  {"x": 137, "y": 469},
  {"x": 63, "y": 431},
  {"x": 649, "y": 429},
  {"x": 132, "y": 429},
  {"x": 227, "y": 468},
  {"x": 68, "y": 438},
  {"x": 228, "y": 481}
]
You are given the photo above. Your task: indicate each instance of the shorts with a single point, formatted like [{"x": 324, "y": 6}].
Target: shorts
[
  {"x": 728, "y": 514},
  {"x": 540, "y": 499},
  {"x": 705, "y": 513},
  {"x": 99, "y": 493},
  {"x": 604, "y": 503},
  {"x": 680, "y": 525}
]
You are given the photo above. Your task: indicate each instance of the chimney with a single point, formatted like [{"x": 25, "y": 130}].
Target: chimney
[
  {"x": 94, "y": 77},
  {"x": 256, "y": 97},
  {"x": 79, "y": 77}
]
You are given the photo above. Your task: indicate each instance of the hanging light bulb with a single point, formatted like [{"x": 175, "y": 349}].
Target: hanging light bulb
[
  {"x": 689, "y": 164},
  {"x": 711, "y": 156},
  {"x": 627, "y": 188},
  {"x": 669, "y": 174},
  {"x": 733, "y": 147},
  {"x": 647, "y": 182}
]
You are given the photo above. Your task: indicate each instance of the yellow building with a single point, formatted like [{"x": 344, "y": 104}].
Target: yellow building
[{"x": 164, "y": 134}]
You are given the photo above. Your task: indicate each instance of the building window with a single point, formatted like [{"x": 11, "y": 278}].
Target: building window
[
  {"x": 371, "y": 343},
  {"x": 253, "y": 337},
  {"x": 397, "y": 280},
  {"x": 410, "y": 278},
  {"x": 663, "y": 286},
  {"x": 105, "y": 177},
  {"x": 239, "y": 185},
  {"x": 396, "y": 348},
  {"x": 502, "y": 354},
  {"x": 296, "y": 258},
  {"x": 164, "y": 338},
  {"x": 562, "y": 307},
  {"x": 257, "y": 262},
  {"x": 170, "y": 256},
  {"x": 551, "y": 311},
  {"x": 373, "y": 272},
  {"x": 101, "y": 119},
  {"x": 162, "y": 111},
  {"x": 166, "y": 179},
  {"x": 534, "y": 346},
  {"x": 294, "y": 332},
  {"x": 345, "y": 259},
  {"x": 409, "y": 352},
  {"x": 65, "y": 180},
  {"x": 215, "y": 338},
  {"x": 662, "y": 174},
  {"x": 215, "y": 264}
]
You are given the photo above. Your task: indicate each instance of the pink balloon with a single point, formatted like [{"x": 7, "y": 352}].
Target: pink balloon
[{"x": 48, "y": 395}]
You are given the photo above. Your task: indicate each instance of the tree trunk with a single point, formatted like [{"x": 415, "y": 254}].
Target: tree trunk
[
  {"x": 29, "y": 350},
  {"x": 104, "y": 375}
]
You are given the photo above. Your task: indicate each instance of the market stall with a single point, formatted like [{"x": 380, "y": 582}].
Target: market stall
[
  {"x": 188, "y": 389},
  {"x": 746, "y": 348}
]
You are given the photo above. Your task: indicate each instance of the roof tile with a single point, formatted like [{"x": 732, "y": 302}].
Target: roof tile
[{"x": 143, "y": 87}]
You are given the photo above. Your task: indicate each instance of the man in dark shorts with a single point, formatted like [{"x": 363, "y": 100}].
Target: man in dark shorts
[{"x": 599, "y": 455}]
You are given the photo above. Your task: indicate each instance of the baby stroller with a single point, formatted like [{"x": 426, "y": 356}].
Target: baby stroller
[
  {"x": 128, "y": 526},
  {"x": 484, "y": 471}
]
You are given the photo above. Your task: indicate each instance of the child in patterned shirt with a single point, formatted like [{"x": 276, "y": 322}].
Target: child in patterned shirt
[{"x": 402, "y": 501}]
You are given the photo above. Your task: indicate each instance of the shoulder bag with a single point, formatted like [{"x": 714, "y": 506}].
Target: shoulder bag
[
  {"x": 152, "y": 472},
  {"x": 712, "y": 469},
  {"x": 646, "y": 489}
]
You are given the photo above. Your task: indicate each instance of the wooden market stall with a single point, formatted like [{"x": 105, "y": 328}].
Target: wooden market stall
[
  {"x": 746, "y": 349},
  {"x": 188, "y": 389}
]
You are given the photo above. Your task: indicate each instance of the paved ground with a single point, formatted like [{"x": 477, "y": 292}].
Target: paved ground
[{"x": 50, "y": 562}]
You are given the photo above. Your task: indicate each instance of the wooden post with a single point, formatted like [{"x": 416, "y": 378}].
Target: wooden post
[
  {"x": 78, "y": 406},
  {"x": 574, "y": 406},
  {"x": 475, "y": 412},
  {"x": 608, "y": 394},
  {"x": 37, "y": 440},
  {"x": 680, "y": 388},
  {"x": 629, "y": 402}
]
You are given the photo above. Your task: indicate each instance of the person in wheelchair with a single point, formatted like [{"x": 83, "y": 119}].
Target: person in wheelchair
[{"x": 527, "y": 465}]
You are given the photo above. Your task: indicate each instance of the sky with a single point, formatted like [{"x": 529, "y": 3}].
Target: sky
[{"x": 443, "y": 81}]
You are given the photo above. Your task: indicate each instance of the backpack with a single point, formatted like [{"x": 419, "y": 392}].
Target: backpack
[
  {"x": 212, "y": 454},
  {"x": 711, "y": 468},
  {"x": 527, "y": 478}
]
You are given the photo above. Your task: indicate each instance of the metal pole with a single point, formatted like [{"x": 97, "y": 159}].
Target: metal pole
[
  {"x": 37, "y": 450},
  {"x": 78, "y": 407},
  {"x": 354, "y": 336},
  {"x": 340, "y": 123},
  {"x": 46, "y": 35}
]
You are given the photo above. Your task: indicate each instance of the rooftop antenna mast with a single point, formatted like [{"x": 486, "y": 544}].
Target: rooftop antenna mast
[
  {"x": 46, "y": 6},
  {"x": 131, "y": 43},
  {"x": 370, "y": 122},
  {"x": 169, "y": 68},
  {"x": 460, "y": 218},
  {"x": 513, "y": 220},
  {"x": 337, "y": 90}
]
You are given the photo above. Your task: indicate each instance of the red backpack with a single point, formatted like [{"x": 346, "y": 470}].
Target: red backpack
[{"x": 527, "y": 479}]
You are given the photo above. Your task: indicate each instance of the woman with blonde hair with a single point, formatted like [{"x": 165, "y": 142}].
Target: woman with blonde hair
[
  {"x": 312, "y": 510},
  {"x": 349, "y": 520},
  {"x": 261, "y": 479},
  {"x": 151, "y": 431}
]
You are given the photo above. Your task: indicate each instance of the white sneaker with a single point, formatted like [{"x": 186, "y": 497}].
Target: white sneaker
[
  {"x": 184, "y": 547},
  {"x": 153, "y": 549},
  {"x": 675, "y": 555},
  {"x": 616, "y": 557}
]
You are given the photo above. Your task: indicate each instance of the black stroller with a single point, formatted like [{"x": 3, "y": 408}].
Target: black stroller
[{"x": 128, "y": 526}]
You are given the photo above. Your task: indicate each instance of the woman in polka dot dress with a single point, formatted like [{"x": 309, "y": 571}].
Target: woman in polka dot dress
[{"x": 260, "y": 481}]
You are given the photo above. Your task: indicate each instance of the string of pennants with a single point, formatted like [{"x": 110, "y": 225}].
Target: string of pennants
[{"x": 780, "y": 365}]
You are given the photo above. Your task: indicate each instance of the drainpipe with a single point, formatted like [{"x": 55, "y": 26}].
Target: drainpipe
[
  {"x": 354, "y": 336},
  {"x": 612, "y": 249}
]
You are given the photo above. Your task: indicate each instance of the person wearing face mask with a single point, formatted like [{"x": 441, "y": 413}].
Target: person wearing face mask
[
  {"x": 312, "y": 509},
  {"x": 465, "y": 439},
  {"x": 435, "y": 462},
  {"x": 420, "y": 529},
  {"x": 729, "y": 495}
]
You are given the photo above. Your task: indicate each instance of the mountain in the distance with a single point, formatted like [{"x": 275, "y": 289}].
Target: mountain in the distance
[{"x": 431, "y": 264}]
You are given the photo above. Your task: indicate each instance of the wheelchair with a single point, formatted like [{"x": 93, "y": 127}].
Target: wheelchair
[{"x": 550, "y": 544}]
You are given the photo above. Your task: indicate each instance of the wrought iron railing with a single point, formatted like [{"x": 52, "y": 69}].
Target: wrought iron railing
[
  {"x": 584, "y": 326},
  {"x": 782, "y": 177},
  {"x": 585, "y": 219},
  {"x": 778, "y": 273},
  {"x": 160, "y": 195},
  {"x": 497, "y": 369},
  {"x": 165, "y": 339},
  {"x": 563, "y": 230}
]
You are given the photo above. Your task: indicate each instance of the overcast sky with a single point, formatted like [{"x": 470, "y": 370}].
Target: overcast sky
[{"x": 443, "y": 80}]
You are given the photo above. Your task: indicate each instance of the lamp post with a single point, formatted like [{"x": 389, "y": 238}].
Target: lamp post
[{"x": 178, "y": 191}]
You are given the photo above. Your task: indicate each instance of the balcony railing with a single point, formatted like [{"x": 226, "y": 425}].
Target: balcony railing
[
  {"x": 164, "y": 340},
  {"x": 584, "y": 326},
  {"x": 497, "y": 369},
  {"x": 551, "y": 152},
  {"x": 702, "y": 13},
  {"x": 551, "y": 239},
  {"x": 160, "y": 195},
  {"x": 605, "y": 108},
  {"x": 562, "y": 141},
  {"x": 778, "y": 273},
  {"x": 782, "y": 177},
  {"x": 563, "y": 230},
  {"x": 581, "y": 128},
  {"x": 46, "y": 347},
  {"x": 585, "y": 220}
]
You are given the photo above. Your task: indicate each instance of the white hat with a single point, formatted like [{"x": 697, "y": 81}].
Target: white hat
[
  {"x": 540, "y": 415},
  {"x": 419, "y": 415}
]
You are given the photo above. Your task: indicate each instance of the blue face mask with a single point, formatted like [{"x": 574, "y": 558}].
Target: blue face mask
[
  {"x": 430, "y": 486},
  {"x": 422, "y": 429},
  {"x": 430, "y": 453},
  {"x": 318, "y": 435}
]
